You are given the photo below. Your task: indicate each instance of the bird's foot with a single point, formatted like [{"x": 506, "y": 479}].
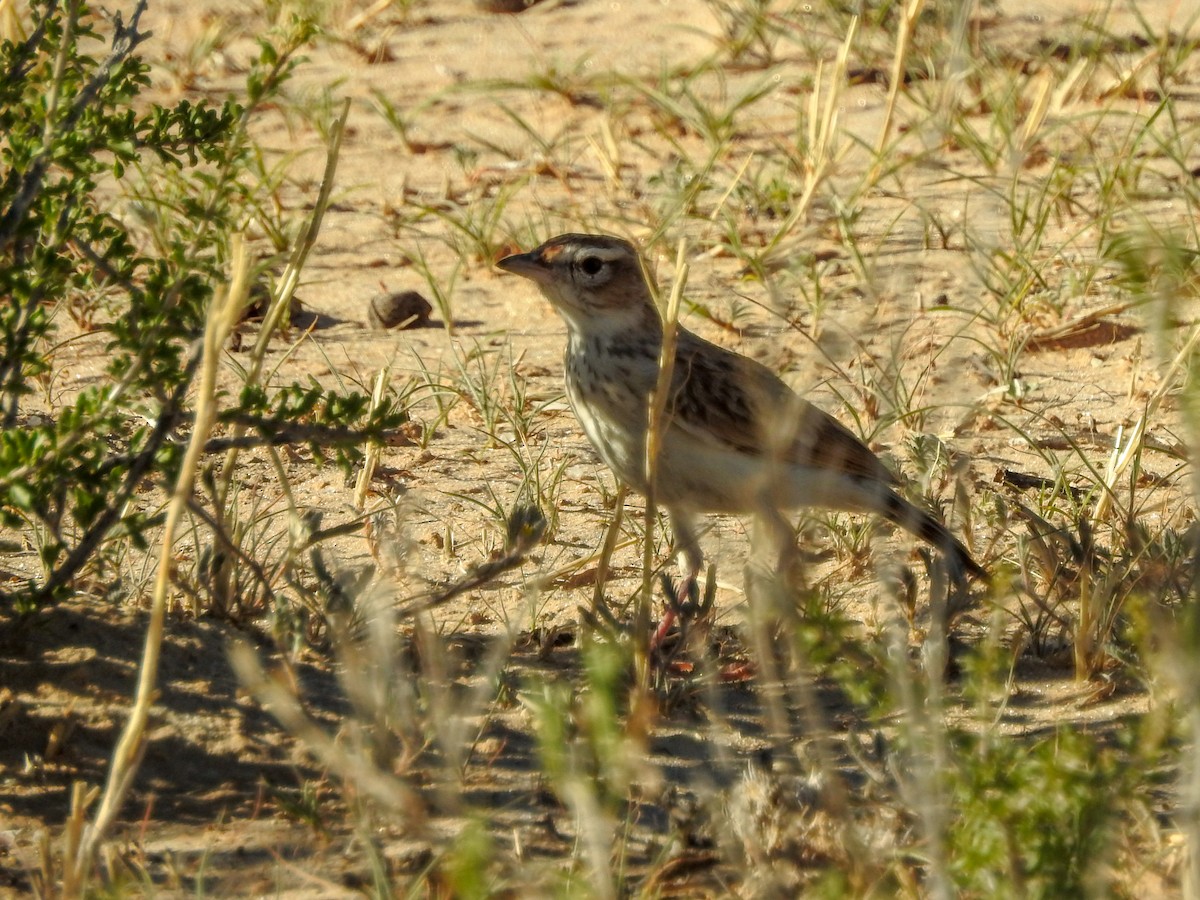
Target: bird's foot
[{"x": 684, "y": 606}]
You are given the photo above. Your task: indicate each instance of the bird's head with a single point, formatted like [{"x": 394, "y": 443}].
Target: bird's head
[{"x": 595, "y": 282}]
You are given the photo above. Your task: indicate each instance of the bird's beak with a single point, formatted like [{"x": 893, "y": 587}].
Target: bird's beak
[{"x": 528, "y": 264}]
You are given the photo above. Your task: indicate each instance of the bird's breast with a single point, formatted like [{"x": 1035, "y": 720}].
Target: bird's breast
[{"x": 610, "y": 396}]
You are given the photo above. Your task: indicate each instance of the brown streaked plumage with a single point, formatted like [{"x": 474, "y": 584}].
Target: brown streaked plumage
[{"x": 736, "y": 438}]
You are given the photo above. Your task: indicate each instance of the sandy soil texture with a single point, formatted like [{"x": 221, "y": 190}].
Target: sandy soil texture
[{"x": 881, "y": 301}]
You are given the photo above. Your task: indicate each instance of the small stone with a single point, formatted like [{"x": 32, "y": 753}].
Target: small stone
[{"x": 406, "y": 309}]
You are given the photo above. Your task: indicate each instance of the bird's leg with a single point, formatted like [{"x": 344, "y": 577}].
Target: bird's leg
[
  {"x": 771, "y": 606},
  {"x": 773, "y": 542},
  {"x": 690, "y": 559},
  {"x": 687, "y": 551}
]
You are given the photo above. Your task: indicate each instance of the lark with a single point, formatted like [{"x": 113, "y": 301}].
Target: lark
[{"x": 734, "y": 438}]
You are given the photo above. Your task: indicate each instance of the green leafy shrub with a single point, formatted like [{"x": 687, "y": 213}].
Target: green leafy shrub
[
  {"x": 73, "y": 134},
  {"x": 1034, "y": 819}
]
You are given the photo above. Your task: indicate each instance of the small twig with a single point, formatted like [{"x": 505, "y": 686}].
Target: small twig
[
  {"x": 286, "y": 286},
  {"x": 908, "y": 24},
  {"x": 609, "y": 546},
  {"x": 282, "y": 704},
  {"x": 822, "y": 131},
  {"x": 371, "y": 457},
  {"x": 231, "y": 546},
  {"x": 1123, "y": 455},
  {"x": 525, "y": 530}
]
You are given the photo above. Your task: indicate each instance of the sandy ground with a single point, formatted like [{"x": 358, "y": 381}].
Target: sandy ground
[{"x": 591, "y": 154}]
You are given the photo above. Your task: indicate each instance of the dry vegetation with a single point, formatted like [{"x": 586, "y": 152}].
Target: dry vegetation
[{"x": 361, "y": 575}]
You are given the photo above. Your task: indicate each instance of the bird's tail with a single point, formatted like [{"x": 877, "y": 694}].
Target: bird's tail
[{"x": 916, "y": 521}]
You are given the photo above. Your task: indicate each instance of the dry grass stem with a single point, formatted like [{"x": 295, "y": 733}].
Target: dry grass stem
[
  {"x": 226, "y": 308},
  {"x": 908, "y": 24},
  {"x": 658, "y": 408}
]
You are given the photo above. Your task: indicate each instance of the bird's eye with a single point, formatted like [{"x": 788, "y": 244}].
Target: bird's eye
[{"x": 591, "y": 265}]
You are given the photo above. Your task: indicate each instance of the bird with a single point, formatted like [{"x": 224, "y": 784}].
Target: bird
[{"x": 734, "y": 437}]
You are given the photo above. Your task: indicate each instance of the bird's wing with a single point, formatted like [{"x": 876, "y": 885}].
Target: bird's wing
[{"x": 723, "y": 398}]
